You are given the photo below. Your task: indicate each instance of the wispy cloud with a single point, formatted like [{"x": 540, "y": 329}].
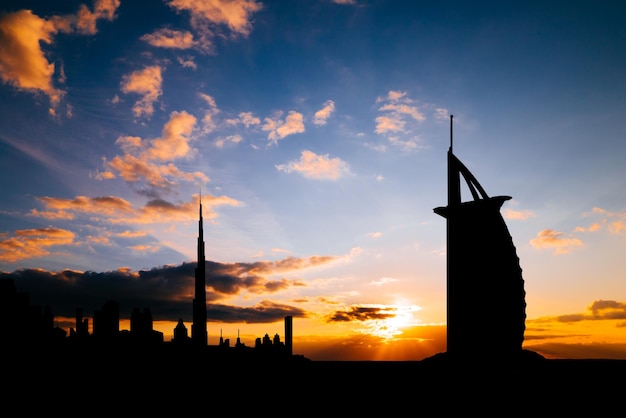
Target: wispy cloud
[
  {"x": 614, "y": 222},
  {"x": 399, "y": 119},
  {"x": 170, "y": 38},
  {"x": 519, "y": 215},
  {"x": 322, "y": 115}
]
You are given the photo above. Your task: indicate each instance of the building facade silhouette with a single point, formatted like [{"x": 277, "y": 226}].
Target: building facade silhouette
[{"x": 484, "y": 278}]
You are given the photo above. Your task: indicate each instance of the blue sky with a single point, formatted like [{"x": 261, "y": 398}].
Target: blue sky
[{"x": 316, "y": 132}]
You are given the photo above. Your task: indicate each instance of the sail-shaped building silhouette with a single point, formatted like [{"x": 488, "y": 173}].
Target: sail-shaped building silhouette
[{"x": 486, "y": 307}]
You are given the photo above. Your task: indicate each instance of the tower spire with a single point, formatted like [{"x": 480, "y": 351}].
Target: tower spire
[
  {"x": 198, "y": 327},
  {"x": 451, "y": 116}
]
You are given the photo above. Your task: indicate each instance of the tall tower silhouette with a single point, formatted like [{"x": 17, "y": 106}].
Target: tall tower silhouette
[
  {"x": 198, "y": 327},
  {"x": 289, "y": 335},
  {"x": 484, "y": 279}
]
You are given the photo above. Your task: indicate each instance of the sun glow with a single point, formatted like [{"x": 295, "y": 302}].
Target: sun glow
[{"x": 402, "y": 316}]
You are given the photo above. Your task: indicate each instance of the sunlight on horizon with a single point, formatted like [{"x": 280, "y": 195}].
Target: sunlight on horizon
[{"x": 392, "y": 326}]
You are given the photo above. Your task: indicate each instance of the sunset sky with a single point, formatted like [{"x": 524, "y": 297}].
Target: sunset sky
[{"x": 316, "y": 133}]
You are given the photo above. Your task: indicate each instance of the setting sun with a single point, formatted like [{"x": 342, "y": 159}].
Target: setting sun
[{"x": 398, "y": 317}]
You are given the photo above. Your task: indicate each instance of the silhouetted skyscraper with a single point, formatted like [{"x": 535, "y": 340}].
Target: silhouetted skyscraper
[
  {"x": 289, "y": 335},
  {"x": 106, "y": 321},
  {"x": 486, "y": 308},
  {"x": 180, "y": 333},
  {"x": 198, "y": 327}
]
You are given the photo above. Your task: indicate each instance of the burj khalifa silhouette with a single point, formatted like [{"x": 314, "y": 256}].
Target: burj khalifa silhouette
[
  {"x": 199, "y": 335},
  {"x": 486, "y": 307}
]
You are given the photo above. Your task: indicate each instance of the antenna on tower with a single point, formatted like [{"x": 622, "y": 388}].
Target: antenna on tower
[{"x": 451, "y": 116}]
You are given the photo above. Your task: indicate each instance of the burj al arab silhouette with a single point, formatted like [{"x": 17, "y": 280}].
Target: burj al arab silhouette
[{"x": 486, "y": 307}]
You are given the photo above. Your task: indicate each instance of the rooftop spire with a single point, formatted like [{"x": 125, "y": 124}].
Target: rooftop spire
[{"x": 451, "y": 116}]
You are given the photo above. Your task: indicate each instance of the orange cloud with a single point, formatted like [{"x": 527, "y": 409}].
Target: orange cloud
[
  {"x": 170, "y": 38},
  {"x": 235, "y": 14},
  {"x": 145, "y": 248},
  {"x": 518, "y": 215},
  {"x": 131, "y": 234},
  {"x": 279, "y": 129},
  {"x": 107, "y": 205},
  {"x": 98, "y": 240},
  {"x": 61, "y": 214},
  {"x": 400, "y": 116},
  {"x": 324, "y": 113},
  {"x": 30, "y": 243},
  {"x": 288, "y": 264},
  {"x": 146, "y": 83},
  {"x": 248, "y": 119},
  {"x": 403, "y": 109},
  {"x": 175, "y": 140},
  {"x": 22, "y": 61},
  {"x": 319, "y": 167},
  {"x": 85, "y": 19},
  {"x": 141, "y": 158},
  {"x": 555, "y": 240},
  {"x": 615, "y": 222},
  {"x": 386, "y": 124},
  {"x": 119, "y": 211}
]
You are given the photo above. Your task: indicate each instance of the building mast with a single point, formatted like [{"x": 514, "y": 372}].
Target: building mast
[{"x": 199, "y": 325}]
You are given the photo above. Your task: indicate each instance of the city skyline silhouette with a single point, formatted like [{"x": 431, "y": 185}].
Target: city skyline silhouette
[
  {"x": 317, "y": 135},
  {"x": 478, "y": 271},
  {"x": 482, "y": 265}
]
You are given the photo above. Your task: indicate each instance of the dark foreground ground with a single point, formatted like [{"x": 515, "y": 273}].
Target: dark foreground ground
[{"x": 143, "y": 385}]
